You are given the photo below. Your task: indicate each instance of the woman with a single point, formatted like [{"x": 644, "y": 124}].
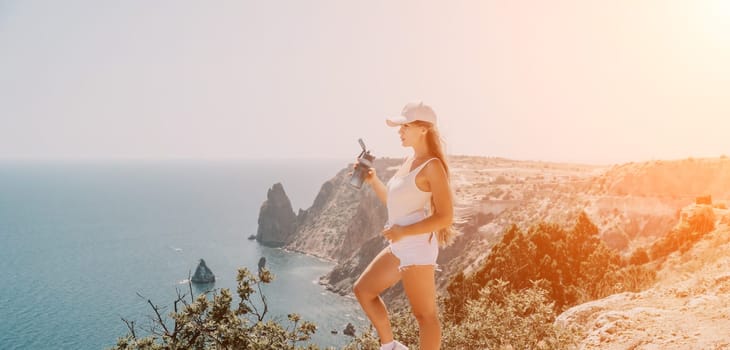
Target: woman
[{"x": 420, "y": 213}]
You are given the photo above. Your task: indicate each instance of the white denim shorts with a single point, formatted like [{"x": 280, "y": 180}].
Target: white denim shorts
[{"x": 422, "y": 249}]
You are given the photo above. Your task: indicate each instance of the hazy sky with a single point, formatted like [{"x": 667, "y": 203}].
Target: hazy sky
[{"x": 580, "y": 81}]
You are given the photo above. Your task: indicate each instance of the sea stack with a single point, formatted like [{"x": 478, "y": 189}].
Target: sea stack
[
  {"x": 203, "y": 274},
  {"x": 349, "y": 330},
  {"x": 277, "y": 221}
]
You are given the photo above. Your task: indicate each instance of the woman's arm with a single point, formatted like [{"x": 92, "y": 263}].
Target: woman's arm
[
  {"x": 443, "y": 212},
  {"x": 377, "y": 186},
  {"x": 372, "y": 179}
]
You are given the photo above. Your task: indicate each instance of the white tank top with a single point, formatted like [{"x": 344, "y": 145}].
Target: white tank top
[{"x": 407, "y": 204}]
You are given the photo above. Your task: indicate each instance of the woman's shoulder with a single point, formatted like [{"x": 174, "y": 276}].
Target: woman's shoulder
[
  {"x": 434, "y": 165},
  {"x": 435, "y": 160}
]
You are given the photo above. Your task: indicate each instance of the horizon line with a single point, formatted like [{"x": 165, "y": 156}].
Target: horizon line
[{"x": 314, "y": 158}]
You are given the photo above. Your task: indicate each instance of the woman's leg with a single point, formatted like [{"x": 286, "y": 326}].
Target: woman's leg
[
  {"x": 420, "y": 287},
  {"x": 379, "y": 275}
]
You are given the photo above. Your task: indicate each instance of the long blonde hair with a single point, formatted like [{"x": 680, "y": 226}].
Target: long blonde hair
[{"x": 436, "y": 146}]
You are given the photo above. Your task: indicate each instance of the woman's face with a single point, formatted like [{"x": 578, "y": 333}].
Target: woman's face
[{"x": 411, "y": 133}]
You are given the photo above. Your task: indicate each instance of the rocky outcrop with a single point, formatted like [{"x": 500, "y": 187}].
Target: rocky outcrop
[
  {"x": 344, "y": 275},
  {"x": 349, "y": 330},
  {"x": 277, "y": 221},
  {"x": 342, "y": 217},
  {"x": 203, "y": 274}
]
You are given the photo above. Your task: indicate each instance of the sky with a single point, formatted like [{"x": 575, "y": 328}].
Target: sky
[{"x": 566, "y": 81}]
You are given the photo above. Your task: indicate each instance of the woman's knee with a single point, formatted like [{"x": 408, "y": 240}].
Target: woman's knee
[
  {"x": 426, "y": 316},
  {"x": 360, "y": 290}
]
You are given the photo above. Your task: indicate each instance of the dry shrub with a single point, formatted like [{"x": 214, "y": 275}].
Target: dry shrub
[{"x": 500, "y": 318}]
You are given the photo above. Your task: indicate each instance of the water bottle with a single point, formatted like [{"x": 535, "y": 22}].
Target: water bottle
[{"x": 364, "y": 163}]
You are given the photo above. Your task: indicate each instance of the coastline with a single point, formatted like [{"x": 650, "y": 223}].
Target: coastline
[
  {"x": 323, "y": 280},
  {"x": 320, "y": 258}
]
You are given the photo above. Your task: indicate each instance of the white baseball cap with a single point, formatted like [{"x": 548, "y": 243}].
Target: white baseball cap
[{"x": 412, "y": 112}]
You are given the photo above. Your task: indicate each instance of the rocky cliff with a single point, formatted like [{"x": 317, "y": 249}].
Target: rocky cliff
[
  {"x": 491, "y": 194},
  {"x": 277, "y": 221},
  {"x": 342, "y": 217}
]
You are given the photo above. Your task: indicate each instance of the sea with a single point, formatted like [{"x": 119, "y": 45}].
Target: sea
[{"x": 86, "y": 243}]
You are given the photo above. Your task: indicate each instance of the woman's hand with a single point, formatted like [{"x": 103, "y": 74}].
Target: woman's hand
[
  {"x": 393, "y": 233},
  {"x": 369, "y": 177}
]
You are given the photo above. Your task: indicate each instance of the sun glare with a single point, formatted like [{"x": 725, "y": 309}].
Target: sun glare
[{"x": 715, "y": 21}]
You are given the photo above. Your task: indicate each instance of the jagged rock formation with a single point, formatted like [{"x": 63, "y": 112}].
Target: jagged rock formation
[
  {"x": 203, "y": 274},
  {"x": 277, "y": 221},
  {"x": 342, "y": 217},
  {"x": 688, "y": 307}
]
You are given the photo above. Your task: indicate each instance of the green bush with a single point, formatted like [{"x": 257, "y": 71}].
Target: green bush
[
  {"x": 499, "y": 318},
  {"x": 574, "y": 266},
  {"x": 207, "y": 324}
]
